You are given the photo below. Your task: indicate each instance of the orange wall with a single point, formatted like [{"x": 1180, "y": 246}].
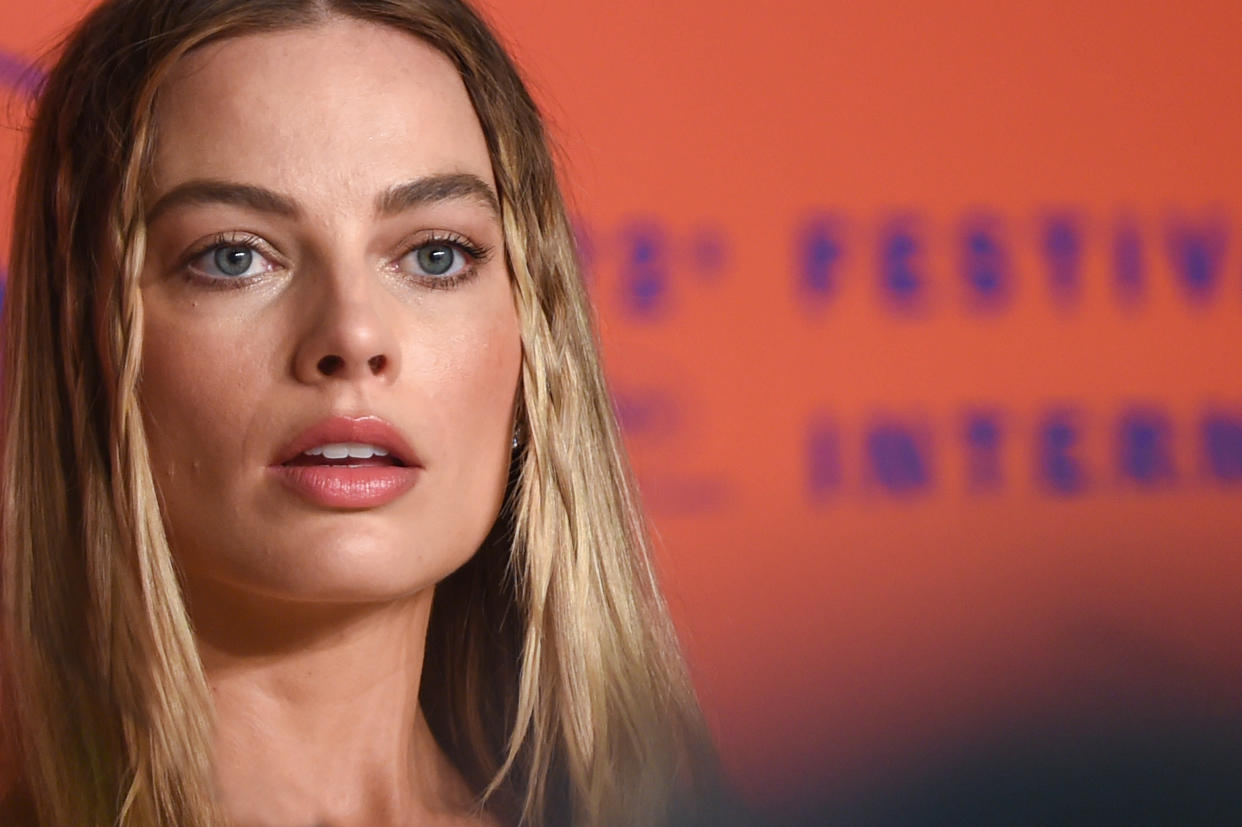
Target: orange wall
[{"x": 923, "y": 321}]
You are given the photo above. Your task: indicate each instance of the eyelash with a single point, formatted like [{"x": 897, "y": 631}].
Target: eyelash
[
  {"x": 219, "y": 240},
  {"x": 475, "y": 253}
]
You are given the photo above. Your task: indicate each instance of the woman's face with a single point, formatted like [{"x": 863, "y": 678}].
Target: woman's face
[{"x": 325, "y": 275}]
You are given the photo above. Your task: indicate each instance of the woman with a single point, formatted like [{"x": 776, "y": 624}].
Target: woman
[{"x": 295, "y": 341}]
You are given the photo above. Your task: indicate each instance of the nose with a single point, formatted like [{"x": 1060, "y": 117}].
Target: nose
[{"x": 347, "y": 333}]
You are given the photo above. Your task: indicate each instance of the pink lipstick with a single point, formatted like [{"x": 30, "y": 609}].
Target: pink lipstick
[{"x": 349, "y": 463}]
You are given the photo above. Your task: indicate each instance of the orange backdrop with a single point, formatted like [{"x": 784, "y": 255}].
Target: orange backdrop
[{"x": 923, "y": 322}]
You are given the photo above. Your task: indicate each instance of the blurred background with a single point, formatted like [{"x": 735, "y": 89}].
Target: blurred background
[{"x": 924, "y": 322}]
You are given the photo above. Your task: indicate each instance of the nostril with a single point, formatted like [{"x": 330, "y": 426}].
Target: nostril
[
  {"x": 377, "y": 363},
  {"x": 329, "y": 365}
]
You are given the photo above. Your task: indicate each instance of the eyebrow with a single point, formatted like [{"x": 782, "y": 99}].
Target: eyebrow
[
  {"x": 426, "y": 190},
  {"x": 213, "y": 191},
  {"x": 433, "y": 188}
]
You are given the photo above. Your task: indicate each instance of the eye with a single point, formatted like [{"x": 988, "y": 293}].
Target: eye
[
  {"x": 435, "y": 260},
  {"x": 231, "y": 261}
]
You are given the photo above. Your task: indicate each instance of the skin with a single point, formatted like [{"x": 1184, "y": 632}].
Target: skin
[{"x": 311, "y": 620}]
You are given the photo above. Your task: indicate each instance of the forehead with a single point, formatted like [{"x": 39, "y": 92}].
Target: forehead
[{"x": 328, "y": 113}]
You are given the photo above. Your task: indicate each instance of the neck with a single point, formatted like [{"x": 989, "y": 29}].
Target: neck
[{"x": 316, "y": 712}]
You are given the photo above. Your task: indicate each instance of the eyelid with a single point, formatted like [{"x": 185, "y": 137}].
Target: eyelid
[
  {"x": 229, "y": 238},
  {"x": 474, "y": 254},
  {"x": 479, "y": 252}
]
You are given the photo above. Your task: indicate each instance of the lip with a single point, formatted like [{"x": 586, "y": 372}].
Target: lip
[
  {"x": 369, "y": 429},
  {"x": 337, "y": 486}
]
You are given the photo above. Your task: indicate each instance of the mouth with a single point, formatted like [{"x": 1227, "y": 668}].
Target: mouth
[
  {"x": 348, "y": 463},
  {"x": 345, "y": 455},
  {"x": 344, "y": 441}
]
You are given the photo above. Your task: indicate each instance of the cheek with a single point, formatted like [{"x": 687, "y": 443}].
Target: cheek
[
  {"x": 466, "y": 376},
  {"x": 194, "y": 391},
  {"x": 471, "y": 378},
  {"x": 217, "y": 392}
]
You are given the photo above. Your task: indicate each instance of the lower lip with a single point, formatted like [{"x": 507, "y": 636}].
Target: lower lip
[{"x": 338, "y": 486}]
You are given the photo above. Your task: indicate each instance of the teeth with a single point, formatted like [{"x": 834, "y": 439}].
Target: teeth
[{"x": 341, "y": 450}]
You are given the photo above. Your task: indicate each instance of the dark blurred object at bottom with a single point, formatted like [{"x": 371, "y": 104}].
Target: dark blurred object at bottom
[{"x": 1163, "y": 775}]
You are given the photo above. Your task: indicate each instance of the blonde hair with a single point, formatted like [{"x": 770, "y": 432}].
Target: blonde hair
[{"x": 557, "y": 689}]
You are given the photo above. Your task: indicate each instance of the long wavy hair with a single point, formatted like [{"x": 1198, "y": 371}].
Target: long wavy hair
[{"x": 554, "y": 682}]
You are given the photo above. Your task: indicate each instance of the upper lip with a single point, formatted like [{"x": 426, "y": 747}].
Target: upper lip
[{"x": 371, "y": 430}]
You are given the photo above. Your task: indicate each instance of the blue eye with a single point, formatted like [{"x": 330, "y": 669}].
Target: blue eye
[
  {"x": 231, "y": 261},
  {"x": 436, "y": 259}
]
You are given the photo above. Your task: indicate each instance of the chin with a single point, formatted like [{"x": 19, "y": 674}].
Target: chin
[
  {"x": 334, "y": 564},
  {"x": 359, "y": 572}
]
